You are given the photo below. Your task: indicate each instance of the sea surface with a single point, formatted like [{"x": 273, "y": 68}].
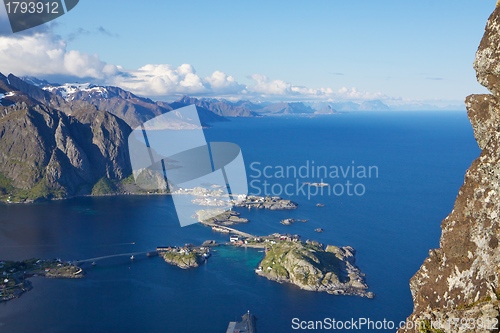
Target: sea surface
[{"x": 420, "y": 159}]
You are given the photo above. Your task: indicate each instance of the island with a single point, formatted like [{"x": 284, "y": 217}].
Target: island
[
  {"x": 290, "y": 221},
  {"x": 187, "y": 256},
  {"x": 271, "y": 203},
  {"x": 219, "y": 217},
  {"x": 14, "y": 275},
  {"x": 311, "y": 266},
  {"x": 308, "y": 265}
]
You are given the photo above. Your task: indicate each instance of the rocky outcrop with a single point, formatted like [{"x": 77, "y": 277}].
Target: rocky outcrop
[
  {"x": 457, "y": 289},
  {"x": 311, "y": 267}
]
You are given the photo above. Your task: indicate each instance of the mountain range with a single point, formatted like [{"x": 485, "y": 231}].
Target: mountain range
[
  {"x": 135, "y": 110},
  {"x": 62, "y": 140}
]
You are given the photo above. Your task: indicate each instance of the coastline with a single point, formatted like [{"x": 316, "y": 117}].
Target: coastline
[
  {"x": 15, "y": 275},
  {"x": 43, "y": 200}
]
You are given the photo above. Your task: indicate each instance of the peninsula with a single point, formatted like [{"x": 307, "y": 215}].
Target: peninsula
[{"x": 14, "y": 275}]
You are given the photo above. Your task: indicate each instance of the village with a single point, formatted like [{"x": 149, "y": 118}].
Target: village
[{"x": 14, "y": 274}]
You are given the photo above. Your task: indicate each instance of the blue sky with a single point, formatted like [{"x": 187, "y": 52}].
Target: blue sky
[{"x": 397, "y": 51}]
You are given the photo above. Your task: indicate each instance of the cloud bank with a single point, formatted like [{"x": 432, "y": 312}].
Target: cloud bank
[{"x": 43, "y": 54}]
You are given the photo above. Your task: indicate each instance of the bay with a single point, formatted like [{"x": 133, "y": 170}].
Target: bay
[{"x": 421, "y": 158}]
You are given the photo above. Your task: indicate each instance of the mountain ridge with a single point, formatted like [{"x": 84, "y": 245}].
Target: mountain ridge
[{"x": 221, "y": 107}]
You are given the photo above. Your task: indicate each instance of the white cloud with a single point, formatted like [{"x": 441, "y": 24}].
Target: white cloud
[
  {"x": 44, "y": 54},
  {"x": 353, "y": 93},
  {"x": 263, "y": 85},
  {"x": 267, "y": 87},
  {"x": 221, "y": 83},
  {"x": 162, "y": 80}
]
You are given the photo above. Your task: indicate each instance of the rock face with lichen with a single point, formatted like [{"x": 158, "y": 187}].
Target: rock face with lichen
[{"x": 457, "y": 289}]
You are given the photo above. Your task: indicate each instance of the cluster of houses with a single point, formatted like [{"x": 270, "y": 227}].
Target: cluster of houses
[
  {"x": 287, "y": 237},
  {"x": 209, "y": 201},
  {"x": 223, "y": 230},
  {"x": 186, "y": 249},
  {"x": 238, "y": 240}
]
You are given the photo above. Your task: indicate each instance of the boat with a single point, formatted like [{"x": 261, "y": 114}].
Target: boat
[
  {"x": 93, "y": 263},
  {"x": 132, "y": 258},
  {"x": 318, "y": 184}
]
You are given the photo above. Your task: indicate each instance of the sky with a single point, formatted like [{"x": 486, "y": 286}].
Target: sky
[{"x": 395, "y": 51}]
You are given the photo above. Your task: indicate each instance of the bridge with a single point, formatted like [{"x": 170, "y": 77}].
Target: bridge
[
  {"x": 113, "y": 256},
  {"x": 231, "y": 230}
]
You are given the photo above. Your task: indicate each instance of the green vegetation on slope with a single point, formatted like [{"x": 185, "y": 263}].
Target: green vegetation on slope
[
  {"x": 5, "y": 185},
  {"x": 41, "y": 191},
  {"x": 104, "y": 186}
]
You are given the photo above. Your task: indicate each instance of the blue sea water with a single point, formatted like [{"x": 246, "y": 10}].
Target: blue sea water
[{"x": 421, "y": 158}]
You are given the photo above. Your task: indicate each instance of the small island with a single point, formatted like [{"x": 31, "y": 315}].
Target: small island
[
  {"x": 291, "y": 221},
  {"x": 185, "y": 257},
  {"x": 14, "y": 275},
  {"x": 219, "y": 217}
]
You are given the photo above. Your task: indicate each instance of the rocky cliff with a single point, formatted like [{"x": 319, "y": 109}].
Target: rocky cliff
[{"x": 457, "y": 289}]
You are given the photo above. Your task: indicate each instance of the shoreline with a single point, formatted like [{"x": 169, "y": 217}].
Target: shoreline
[{"x": 44, "y": 200}]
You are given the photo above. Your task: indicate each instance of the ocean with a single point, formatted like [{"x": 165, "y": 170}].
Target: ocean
[{"x": 391, "y": 216}]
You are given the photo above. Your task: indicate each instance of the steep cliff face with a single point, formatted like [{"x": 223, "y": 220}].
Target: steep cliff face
[
  {"x": 47, "y": 153},
  {"x": 457, "y": 289}
]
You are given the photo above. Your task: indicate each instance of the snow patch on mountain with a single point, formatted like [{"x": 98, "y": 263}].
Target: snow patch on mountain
[
  {"x": 9, "y": 94},
  {"x": 68, "y": 90}
]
